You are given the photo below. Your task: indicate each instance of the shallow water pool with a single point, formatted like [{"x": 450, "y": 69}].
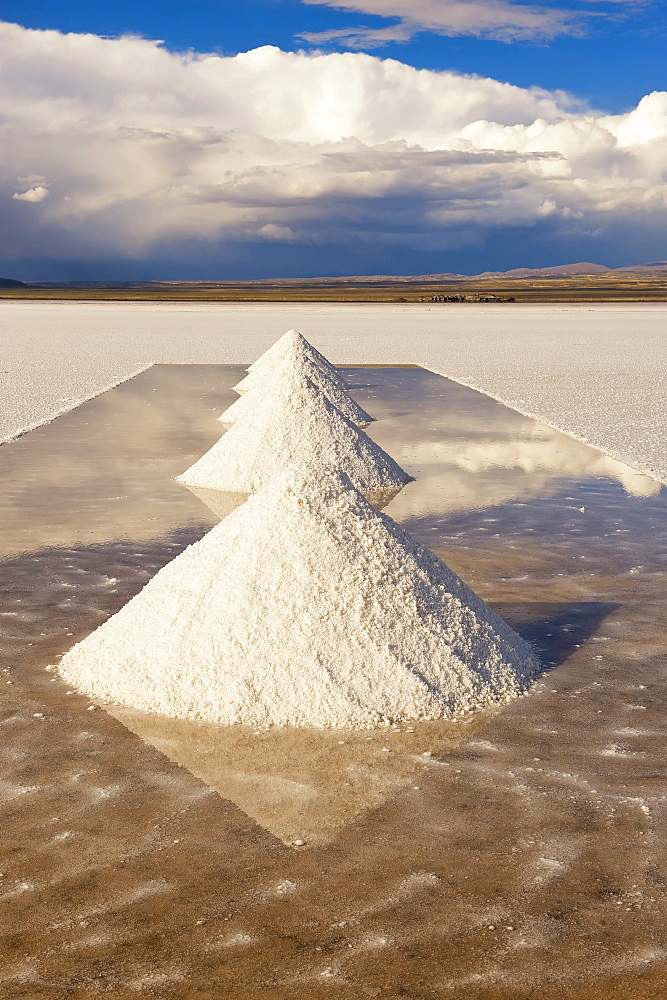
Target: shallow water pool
[{"x": 520, "y": 853}]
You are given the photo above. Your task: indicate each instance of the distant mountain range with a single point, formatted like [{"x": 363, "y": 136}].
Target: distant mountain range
[{"x": 581, "y": 270}]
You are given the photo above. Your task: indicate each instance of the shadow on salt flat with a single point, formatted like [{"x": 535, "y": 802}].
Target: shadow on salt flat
[{"x": 556, "y": 630}]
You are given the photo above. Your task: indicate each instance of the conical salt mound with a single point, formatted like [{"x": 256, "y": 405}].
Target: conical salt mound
[
  {"x": 291, "y": 346},
  {"x": 304, "y": 607},
  {"x": 297, "y": 424},
  {"x": 289, "y": 342},
  {"x": 301, "y": 367}
]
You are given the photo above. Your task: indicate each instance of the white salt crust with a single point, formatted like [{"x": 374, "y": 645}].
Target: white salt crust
[
  {"x": 301, "y": 367},
  {"x": 304, "y": 607},
  {"x": 296, "y": 424}
]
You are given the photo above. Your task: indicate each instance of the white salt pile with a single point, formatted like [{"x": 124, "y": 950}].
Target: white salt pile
[
  {"x": 290, "y": 342},
  {"x": 292, "y": 346},
  {"x": 301, "y": 367},
  {"x": 304, "y": 607},
  {"x": 296, "y": 423}
]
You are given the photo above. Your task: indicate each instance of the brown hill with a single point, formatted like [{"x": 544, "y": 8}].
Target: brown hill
[
  {"x": 559, "y": 271},
  {"x": 658, "y": 267}
]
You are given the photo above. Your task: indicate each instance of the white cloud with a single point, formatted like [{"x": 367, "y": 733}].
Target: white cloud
[
  {"x": 144, "y": 148},
  {"x": 279, "y": 234},
  {"x": 502, "y": 20},
  {"x": 32, "y": 194},
  {"x": 497, "y": 19}
]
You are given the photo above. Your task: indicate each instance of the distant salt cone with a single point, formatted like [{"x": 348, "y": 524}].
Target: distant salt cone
[
  {"x": 304, "y": 607},
  {"x": 289, "y": 342},
  {"x": 291, "y": 346},
  {"x": 304, "y": 368},
  {"x": 296, "y": 425}
]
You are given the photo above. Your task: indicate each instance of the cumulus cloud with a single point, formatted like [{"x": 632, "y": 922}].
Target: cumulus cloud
[
  {"x": 144, "y": 148},
  {"x": 32, "y": 194},
  {"x": 498, "y": 19}
]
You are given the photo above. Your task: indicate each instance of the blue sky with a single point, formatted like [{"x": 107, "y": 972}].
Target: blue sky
[
  {"x": 618, "y": 57},
  {"x": 553, "y": 178}
]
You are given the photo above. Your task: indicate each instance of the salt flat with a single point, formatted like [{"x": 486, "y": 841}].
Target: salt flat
[{"x": 595, "y": 371}]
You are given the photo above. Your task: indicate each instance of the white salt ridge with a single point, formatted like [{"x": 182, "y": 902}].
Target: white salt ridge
[
  {"x": 304, "y": 607},
  {"x": 301, "y": 367},
  {"x": 296, "y": 424},
  {"x": 292, "y": 346}
]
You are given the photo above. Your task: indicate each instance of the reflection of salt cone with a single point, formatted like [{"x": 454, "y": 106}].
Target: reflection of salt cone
[
  {"x": 305, "y": 607},
  {"x": 223, "y": 503},
  {"x": 296, "y": 424},
  {"x": 300, "y": 368}
]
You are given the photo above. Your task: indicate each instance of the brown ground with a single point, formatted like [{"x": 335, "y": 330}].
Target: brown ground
[{"x": 590, "y": 288}]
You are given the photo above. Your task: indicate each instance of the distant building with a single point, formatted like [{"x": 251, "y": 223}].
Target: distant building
[{"x": 468, "y": 298}]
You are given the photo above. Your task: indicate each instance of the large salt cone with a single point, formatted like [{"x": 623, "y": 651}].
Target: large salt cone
[
  {"x": 304, "y": 607},
  {"x": 296, "y": 424},
  {"x": 302, "y": 367},
  {"x": 291, "y": 346}
]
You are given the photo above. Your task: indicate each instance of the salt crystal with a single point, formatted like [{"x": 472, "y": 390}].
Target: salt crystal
[{"x": 304, "y": 607}]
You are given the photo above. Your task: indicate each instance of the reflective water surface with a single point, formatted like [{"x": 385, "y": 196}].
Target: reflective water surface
[{"x": 518, "y": 854}]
